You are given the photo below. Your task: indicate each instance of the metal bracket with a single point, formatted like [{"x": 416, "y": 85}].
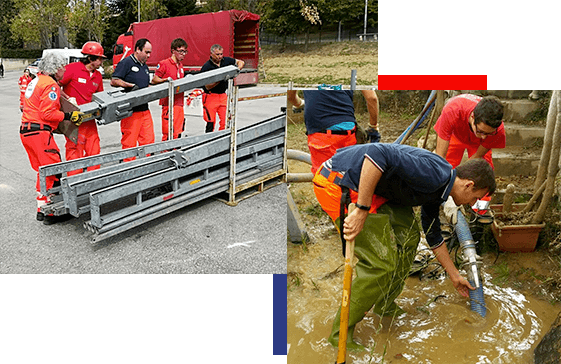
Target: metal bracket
[{"x": 179, "y": 159}]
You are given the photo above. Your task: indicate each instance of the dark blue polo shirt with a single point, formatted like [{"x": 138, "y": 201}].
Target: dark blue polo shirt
[
  {"x": 410, "y": 177},
  {"x": 222, "y": 85},
  {"x": 132, "y": 71},
  {"x": 326, "y": 108}
]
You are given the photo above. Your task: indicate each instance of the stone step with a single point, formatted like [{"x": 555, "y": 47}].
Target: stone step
[
  {"x": 524, "y": 135},
  {"x": 519, "y": 111},
  {"x": 516, "y": 160}
]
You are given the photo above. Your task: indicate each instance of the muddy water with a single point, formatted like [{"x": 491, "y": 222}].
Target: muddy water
[{"x": 434, "y": 330}]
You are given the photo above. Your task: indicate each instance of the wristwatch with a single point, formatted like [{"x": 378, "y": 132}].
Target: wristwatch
[{"x": 362, "y": 207}]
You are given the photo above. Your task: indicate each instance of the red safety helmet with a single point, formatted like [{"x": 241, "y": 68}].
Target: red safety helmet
[{"x": 92, "y": 48}]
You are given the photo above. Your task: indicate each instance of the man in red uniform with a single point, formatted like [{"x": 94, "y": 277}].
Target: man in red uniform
[
  {"x": 41, "y": 115},
  {"x": 469, "y": 122},
  {"x": 215, "y": 98},
  {"x": 172, "y": 68},
  {"x": 23, "y": 81},
  {"x": 81, "y": 80}
]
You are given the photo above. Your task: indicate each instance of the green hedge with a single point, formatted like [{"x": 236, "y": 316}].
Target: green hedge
[{"x": 21, "y": 53}]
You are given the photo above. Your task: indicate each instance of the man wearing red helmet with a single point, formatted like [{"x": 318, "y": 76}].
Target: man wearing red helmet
[{"x": 81, "y": 80}]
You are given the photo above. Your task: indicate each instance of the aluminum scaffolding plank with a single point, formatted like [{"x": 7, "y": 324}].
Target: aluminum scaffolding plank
[
  {"x": 117, "y": 156},
  {"x": 169, "y": 175},
  {"x": 73, "y": 187},
  {"x": 195, "y": 173}
]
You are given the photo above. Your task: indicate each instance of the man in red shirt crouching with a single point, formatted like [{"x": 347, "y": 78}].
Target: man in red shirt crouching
[{"x": 472, "y": 123}]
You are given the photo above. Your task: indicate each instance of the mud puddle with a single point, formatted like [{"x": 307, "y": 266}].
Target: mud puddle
[{"x": 438, "y": 326}]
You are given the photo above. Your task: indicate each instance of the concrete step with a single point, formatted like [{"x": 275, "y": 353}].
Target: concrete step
[
  {"x": 519, "y": 111},
  {"x": 524, "y": 135},
  {"x": 516, "y": 160},
  {"x": 523, "y": 150}
]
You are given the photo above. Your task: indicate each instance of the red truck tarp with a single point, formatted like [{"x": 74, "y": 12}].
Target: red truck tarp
[{"x": 200, "y": 31}]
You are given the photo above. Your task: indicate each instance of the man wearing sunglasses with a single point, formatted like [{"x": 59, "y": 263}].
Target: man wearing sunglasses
[
  {"x": 171, "y": 68},
  {"x": 472, "y": 123},
  {"x": 469, "y": 122}
]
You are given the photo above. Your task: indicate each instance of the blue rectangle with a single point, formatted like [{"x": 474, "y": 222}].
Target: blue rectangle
[{"x": 279, "y": 314}]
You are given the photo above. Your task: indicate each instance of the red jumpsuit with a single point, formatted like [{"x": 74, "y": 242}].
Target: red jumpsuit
[
  {"x": 81, "y": 84},
  {"x": 23, "y": 81},
  {"x": 168, "y": 68},
  {"x": 41, "y": 115}
]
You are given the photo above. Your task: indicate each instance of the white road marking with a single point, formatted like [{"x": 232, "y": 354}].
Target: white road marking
[{"x": 241, "y": 244}]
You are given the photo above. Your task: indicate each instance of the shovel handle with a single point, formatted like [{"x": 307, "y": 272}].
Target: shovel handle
[{"x": 346, "y": 301}]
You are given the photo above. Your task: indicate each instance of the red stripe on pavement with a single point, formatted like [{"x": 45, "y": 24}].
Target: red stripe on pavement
[{"x": 432, "y": 82}]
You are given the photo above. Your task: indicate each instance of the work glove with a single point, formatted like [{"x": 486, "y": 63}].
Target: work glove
[
  {"x": 134, "y": 88},
  {"x": 373, "y": 135},
  {"x": 298, "y": 109},
  {"x": 75, "y": 117},
  {"x": 451, "y": 210}
]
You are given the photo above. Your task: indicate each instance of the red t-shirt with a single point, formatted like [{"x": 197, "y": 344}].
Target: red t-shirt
[
  {"x": 455, "y": 120},
  {"x": 80, "y": 83},
  {"x": 168, "y": 68}
]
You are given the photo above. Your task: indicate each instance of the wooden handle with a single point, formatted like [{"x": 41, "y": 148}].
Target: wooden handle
[{"x": 346, "y": 301}]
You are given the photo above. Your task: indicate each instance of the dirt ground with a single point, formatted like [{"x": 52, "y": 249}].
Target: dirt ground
[
  {"x": 329, "y": 63},
  {"x": 537, "y": 273}
]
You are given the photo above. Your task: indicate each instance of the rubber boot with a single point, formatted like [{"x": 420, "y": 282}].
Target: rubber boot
[
  {"x": 385, "y": 249},
  {"x": 209, "y": 127}
]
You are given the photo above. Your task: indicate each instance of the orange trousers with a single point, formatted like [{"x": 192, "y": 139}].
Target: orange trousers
[
  {"x": 42, "y": 150},
  {"x": 456, "y": 152},
  {"x": 137, "y": 129},
  {"x": 329, "y": 195},
  {"x": 215, "y": 104},
  {"x": 324, "y": 145},
  {"x": 88, "y": 144},
  {"x": 178, "y": 122}
]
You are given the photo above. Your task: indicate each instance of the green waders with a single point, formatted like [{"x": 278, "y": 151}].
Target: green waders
[{"x": 385, "y": 249}]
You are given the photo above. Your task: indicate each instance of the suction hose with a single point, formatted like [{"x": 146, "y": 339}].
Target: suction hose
[{"x": 471, "y": 263}]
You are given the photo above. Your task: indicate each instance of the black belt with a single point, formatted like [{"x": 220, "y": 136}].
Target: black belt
[
  {"x": 29, "y": 127},
  {"x": 335, "y": 132}
]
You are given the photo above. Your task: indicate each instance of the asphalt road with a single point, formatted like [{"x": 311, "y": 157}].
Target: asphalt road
[{"x": 207, "y": 237}]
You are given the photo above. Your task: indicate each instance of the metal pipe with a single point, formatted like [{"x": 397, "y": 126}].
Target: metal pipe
[
  {"x": 301, "y": 157},
  {"x": 471, "y": 263}
]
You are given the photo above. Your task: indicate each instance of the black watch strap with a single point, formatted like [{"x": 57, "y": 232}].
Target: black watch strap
[{"x": 362, "y": 207}]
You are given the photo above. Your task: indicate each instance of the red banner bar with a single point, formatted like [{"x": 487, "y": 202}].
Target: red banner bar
[{"x": 432, "y": 82}]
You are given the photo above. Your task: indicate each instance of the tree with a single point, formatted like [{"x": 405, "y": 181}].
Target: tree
[
  {"x": 253, "y": 6},
  {"x": 283, "y": 18},
  {"x": 87, "y": 21},
  {"x": 8, "y": 13},
  {"x": 349, "y": 13},
  {"x": 39, "y": 20}
]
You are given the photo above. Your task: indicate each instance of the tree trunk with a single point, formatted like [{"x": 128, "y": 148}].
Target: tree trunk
[
  {"x": 307, "y": 40},
  {"x": 546, "y": 150},
  {"x": 553, "y": 165}
]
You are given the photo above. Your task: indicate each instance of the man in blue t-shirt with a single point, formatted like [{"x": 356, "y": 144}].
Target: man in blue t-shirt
[
  {"x": 132, "y": 74},
  {"x": 385, "y": 181},
  {"x": 214, "y": 98}
]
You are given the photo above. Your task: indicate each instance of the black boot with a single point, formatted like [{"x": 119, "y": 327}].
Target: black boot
[
  {"x": 52, "y": 219},
  {"x": 209, "y": 127}
]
